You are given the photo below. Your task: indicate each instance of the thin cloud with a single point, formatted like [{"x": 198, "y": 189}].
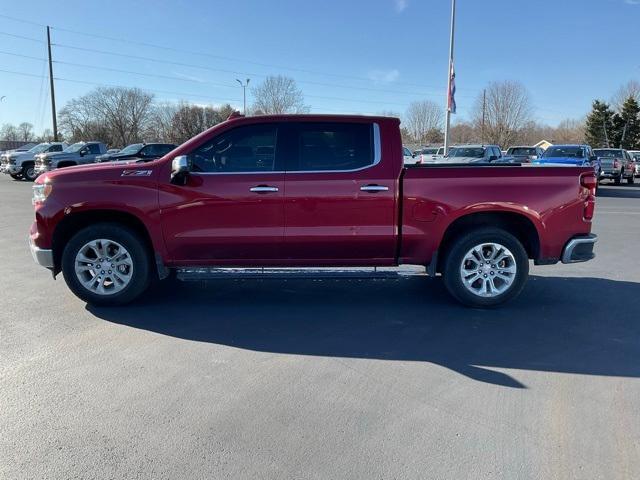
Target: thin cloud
[
  {"x": 632, "y": 2},
  {"x": 384, "y": 76},
  {"x": 189, "y": 77},
  {"x": 401, "y": 5}
]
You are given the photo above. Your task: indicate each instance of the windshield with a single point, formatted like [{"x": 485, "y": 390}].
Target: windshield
[
  {"x": 475, "y": 152},
  {"x": 608, "y": 153},
  {"x": 133, "y": 148},
  {"x": 576, "y": 152},
  {"x": 76, "y": 147},
  {"x": 39, "y": 148},
  {"x": 429, "y": 151},
  {"x": 523, "y": 151}
]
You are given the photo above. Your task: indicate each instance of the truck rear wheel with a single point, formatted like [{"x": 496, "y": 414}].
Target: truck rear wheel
[
  {"x": 106, "y": 264},
  {"x": 486, "y": 267}
]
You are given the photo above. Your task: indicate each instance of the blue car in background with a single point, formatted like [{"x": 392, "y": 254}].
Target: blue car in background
[{"x": 570, "y": 155}]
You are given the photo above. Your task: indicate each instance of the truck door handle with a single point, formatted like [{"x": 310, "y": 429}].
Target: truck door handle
[
  {"x": 263, "y": 189},
  {"x": 374, "y": 188}
]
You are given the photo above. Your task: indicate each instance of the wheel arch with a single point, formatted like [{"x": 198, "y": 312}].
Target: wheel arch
[
  {"x": 76, "y": 221},
  {"x": 517, "y": 224}
]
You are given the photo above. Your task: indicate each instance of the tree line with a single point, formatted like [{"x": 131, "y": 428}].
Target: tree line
[{"x": 503, "y": 114}]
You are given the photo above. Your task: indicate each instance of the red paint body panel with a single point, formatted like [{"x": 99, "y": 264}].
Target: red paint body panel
[{"x": 315, "y": 219}]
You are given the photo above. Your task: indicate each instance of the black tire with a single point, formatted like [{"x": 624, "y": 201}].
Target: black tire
[
  {"x": 617, "y": 180},
  {"x": 455, "y": 257},
  {"x": 631, "y": 179},
  {"x": 140, "y": 276},
  {"x": 29, "y": 171},
  {"x": 16, "y": 176}
]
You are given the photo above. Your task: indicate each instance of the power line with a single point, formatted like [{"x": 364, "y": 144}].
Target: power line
[
  {"x": 22, "y": 37},
  {"x": 210, "y": 55},
  {"x": 234, "y": 72}
]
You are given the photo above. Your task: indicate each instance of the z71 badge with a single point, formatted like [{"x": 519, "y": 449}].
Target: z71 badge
[{"x": 136, "y": 173}]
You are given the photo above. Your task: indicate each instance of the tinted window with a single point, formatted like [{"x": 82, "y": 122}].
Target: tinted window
[
  {"x": 243, "y": 149},
  {"x": 608, "y": 153},
  {"x": 577, "y": 152},
  {"x": 477, "y": 152},
  {"x": 523, "y": 151},
  {"x": 334, "y": 146},
  {"x": 155, "y": 150},
  {"x": 406, "y": 152},
  {"x": 94, "y": 148},
  {"x": 55, "y": 148},
  {"x": 430, "y": 151}
]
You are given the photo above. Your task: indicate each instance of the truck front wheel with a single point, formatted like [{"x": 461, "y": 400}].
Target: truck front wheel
[
  {"x": 106, "y": 264},
  {"x": 29, "y": 171},
  {"x": 485, "y": 267}
]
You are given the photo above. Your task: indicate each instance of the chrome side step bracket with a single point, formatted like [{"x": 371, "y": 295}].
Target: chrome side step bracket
[{"x": 211, "y": 273}]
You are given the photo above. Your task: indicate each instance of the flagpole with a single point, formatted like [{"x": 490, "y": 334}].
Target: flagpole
[{"x": 448, "y": 109}]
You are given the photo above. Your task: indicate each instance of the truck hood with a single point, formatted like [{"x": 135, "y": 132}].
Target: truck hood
[
  {"x": 569, "y": 161},
  {"x": 19, "y": 155},
  {"x": 102, "y": 170},
  {"x": 60, "y": 155}
]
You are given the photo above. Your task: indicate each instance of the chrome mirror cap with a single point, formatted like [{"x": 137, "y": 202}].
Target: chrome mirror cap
[{"x": 179, "y": 165}]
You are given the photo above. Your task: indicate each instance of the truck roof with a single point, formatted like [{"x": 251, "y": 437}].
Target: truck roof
[{"x": 319, "y": 117}]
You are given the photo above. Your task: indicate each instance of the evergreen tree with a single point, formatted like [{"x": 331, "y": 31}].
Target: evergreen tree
[
  {"x": 599, "y": 125},
  {"x": 626, "y": 126}
]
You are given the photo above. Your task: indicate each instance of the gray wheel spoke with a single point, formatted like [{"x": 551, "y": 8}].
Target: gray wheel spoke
[
  {"x": 104, "y": 266},
  {"x": 488, "y": 270}
]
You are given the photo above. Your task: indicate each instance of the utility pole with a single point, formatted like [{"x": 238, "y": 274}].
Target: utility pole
[
  {"x": 449, "y": 71},
  {"x": 244, "y": 94},
  {"x": 53, "y": 92},
  {"x": 484, "y": 109}
]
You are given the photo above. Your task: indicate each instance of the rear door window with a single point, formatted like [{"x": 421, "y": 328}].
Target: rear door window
[{"x": 332, "y": 147}]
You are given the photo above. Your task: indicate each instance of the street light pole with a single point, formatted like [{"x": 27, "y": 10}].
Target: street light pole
[
  {"x": 449, "y": 71},
  {"x": 244, "y": 94}
]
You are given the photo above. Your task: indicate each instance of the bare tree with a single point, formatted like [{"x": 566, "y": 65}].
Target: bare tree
[
  {"x": 507, "y": 111},
  {"x": 278, "y": 94},
  {"x": 25, "y": 132},
  {"x": 464, "y": 132},
  {"x": 569, "y": 131},
  {"x": 160, "y": 125},
  {"x": 116, "y": 115},
  {"x": 190, "y": 120},
  {"x": 9, "y": 133},
  {"x": 424, "y": 121},
  {"x": 629, "y": 89}
]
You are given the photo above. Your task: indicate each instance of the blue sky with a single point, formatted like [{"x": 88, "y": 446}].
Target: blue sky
[{"x": 354, "y": 56}]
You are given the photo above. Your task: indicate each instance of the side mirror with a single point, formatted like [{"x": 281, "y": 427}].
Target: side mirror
[
  {"x": 83, "y": 152},
  {"x": 179, "y": 168}
]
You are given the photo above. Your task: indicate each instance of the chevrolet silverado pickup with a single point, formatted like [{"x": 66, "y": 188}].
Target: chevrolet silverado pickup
[{"x": 307, "y": 191}]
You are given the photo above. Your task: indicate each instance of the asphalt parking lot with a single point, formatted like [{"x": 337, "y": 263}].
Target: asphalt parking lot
[{"x": 324, "y": 379}]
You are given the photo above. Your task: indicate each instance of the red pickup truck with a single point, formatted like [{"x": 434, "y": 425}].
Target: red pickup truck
[{"x": 307, "y": 191}]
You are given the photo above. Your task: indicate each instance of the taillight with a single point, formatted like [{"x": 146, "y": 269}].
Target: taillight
[{"x": 589, "y": 182}]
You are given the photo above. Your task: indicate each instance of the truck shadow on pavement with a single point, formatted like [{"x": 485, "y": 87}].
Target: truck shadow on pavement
[
  {"x": 623, "y": 191},
  {"x": 587, "y": 326}
]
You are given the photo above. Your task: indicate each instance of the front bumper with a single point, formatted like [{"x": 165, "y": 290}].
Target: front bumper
[
  {"x": 579, "y": 249},
  {"x": 12, "y": 169},
  {"x": 40, "y": 168},
  {"x": 42, "y": 256}
]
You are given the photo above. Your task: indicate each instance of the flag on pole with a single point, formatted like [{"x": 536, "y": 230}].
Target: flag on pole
[{"x": 451, "y": 104}]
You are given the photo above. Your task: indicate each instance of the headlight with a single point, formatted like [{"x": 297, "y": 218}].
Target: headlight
[{"x": 40, "y": 192}]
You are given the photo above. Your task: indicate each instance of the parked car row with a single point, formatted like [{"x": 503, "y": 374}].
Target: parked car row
[
  {"x": 46, "y": 157},
  {"x": 608, "y": 163}
]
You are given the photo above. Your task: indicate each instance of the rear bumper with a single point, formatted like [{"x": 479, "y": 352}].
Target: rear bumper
[
  {"x": 579, "y": 249},
  {"x": 42, "y": 256}
]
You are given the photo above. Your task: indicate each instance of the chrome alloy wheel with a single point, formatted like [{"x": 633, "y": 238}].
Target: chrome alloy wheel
[
  {"x": 103, "y": 266},
  {"x": 488, "y": 270}
]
